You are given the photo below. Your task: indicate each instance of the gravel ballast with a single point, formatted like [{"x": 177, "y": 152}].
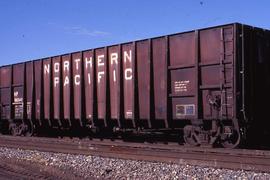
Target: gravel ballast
[{"x": 109, "y": 168}]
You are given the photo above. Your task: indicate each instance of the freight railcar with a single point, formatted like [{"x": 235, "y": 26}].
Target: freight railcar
[{"x": 211, "y": 84}]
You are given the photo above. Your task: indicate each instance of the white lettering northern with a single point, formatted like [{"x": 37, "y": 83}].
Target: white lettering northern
[
  {"x": 56, "y": 67},
  {"x": 66, "y": 65},
  {"x": 100, "y": 60},
  {"x": 88, "y": 62},
  {"x": 77, "y": 61},
  {"x": 47, "y": 69},
  {"x": 127, "y": 56},
  {"x": 114, "y": 58}
]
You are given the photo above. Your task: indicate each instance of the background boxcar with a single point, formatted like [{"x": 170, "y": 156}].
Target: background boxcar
[{"x": 212, "y": 84}]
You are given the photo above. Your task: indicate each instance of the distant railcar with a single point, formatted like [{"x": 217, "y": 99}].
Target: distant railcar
[{"x": 212, "y": 84}]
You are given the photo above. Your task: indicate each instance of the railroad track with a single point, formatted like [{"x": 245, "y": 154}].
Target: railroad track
[
  {"x": 20, "y": 170},
  {"x": 255, "y": 160}
]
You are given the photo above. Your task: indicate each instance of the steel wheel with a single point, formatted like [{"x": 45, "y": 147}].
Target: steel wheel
[
  {"x": 14, "y": 129},
  {"x": 29, "y": 131},
  {"x": 231, "y": 140},
  {"x": 190, "y": 136}
]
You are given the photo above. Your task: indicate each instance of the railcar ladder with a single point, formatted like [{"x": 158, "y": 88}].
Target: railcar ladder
[{"x": 223, "y": 69}]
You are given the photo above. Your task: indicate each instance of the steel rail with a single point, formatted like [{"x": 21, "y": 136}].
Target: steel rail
[
  {"x": 236, "y": 159},
  {"x": 19, "y": 169}
]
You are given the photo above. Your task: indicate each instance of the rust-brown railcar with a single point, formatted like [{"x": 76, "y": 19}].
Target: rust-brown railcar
[{"x": 212, "y": 83}]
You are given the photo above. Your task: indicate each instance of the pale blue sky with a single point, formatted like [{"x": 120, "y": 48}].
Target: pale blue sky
[{"x": 32, "y": 29}]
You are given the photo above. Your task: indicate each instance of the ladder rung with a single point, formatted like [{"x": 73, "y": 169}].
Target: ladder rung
[
  {"x": 226, "y": 54},
  {"x": 225, "y": 41},
  {"x": 227, "y": 105}
]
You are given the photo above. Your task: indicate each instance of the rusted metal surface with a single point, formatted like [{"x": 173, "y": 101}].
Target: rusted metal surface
[
  {"x": 56, "y": 66},
  {"x": 18, "y": 91},
  {"x": 5, "y": 76},
  {"x": 148, "y": 83},
  {"x": 47, "y": 82},
  {"x": 88, "y": 67},
  {"x": 183, "y": 75},
  {"x": 217, "y": 69},
  {"x": 18, "y": 74},
  {"x": 115, "y": 80},
  {"x": 144, "y": 64},
  {"x": 77, "y": 85},
  {"x": 29, "y": 89},
  {"x": 128, "y": 80},
  {"x": 101, "y": 83},
  {"x": 38, "y": 89},
  {"x": 159, "y": 83},
  {"x": 67, "y": 84},
  {"x": 5, "y": 94}
]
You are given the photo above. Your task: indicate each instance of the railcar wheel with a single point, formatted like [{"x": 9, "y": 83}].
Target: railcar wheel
[
  {"x": 29, "y": 130},
  {"x": 230, "y": 138},
  {"x": 15, "y": 130},
  {"x": 19, "y": 129},
  {"x": 190, "y": 136}
]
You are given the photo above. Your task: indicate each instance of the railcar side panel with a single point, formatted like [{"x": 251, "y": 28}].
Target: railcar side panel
[
  {"x": 5, "y": 77},
  {"x": 5, "y": 91},
  {"x": 47, "y": 82},
  {"x": 77, "y": 85},
  {"x": 38, "y": 76},
  {"x": 88, "y": 66},
  {"x": 160, "y": 81},
  {"x": 66, "y": 83},
  {"x": 217, "y": 71},
  {"x": 143, "y": 68},
  {"x": 29, "y": 89},
  {"x": 56, "y": 65},
  {"x": 114, "y": 78},
  {"x": 212, "y": 82},
  {"x": 18, "y": 91},
  {"x": 128, "y": 71},
  {"x": 101, "y": 61},
  {"x": 144, "y": 65},
  {"x": 183, "y": 76}
]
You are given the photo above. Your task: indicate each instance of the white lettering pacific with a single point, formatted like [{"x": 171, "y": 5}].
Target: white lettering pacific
[
  {"x": 89, "y": 78},
  {"x": 114, "y": 62},
  {"x": 100, "y": 74},
  {"x": 66, "y": 82},
  {"x": 114, "y": 76},
  {"x": 64, "y": 67},
  {"x": 128, "y": 74},
  {"x": 100, "y": 61},
  {"x": 77, "y": 79},
  {"x": 56, "y": 81}
]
